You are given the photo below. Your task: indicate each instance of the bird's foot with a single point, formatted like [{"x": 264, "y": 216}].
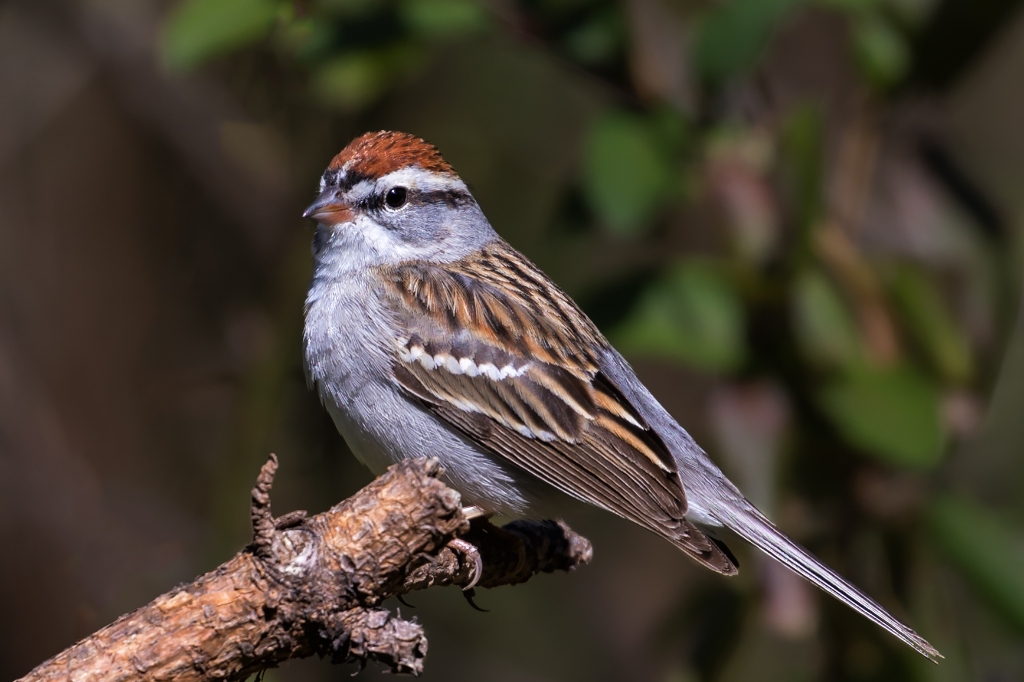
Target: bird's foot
[{"x": 469, "y": 553}]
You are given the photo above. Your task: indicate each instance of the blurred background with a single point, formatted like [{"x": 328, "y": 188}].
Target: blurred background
[{"x": 801, "y": 220}]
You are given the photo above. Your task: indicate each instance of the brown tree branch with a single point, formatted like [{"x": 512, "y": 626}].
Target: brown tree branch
[{"x": 314, "y": 586}]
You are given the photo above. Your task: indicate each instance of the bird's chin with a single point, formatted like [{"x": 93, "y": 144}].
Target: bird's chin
[
  {"x": 338, "y": 226},
  {"x": 349, "y": 247},
  {"x": 328, "y": 228}
]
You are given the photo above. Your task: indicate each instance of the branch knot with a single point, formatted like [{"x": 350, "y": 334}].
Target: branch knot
[{"x": 262, "y": 518}]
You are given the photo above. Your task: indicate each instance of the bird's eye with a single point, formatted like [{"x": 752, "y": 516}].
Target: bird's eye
[{"x": 395, "y": 198}]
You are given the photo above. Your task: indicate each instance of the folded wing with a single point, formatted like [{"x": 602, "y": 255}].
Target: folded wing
[{"x": 493, "y": 348}]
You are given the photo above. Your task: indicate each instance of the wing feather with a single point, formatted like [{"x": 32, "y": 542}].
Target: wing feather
[{"x": 494, "y": 349}]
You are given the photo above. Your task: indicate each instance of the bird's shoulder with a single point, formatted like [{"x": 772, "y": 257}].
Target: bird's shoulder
[{"x": 495, "y": 297}]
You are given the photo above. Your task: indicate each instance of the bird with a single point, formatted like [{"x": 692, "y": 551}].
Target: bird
[{"x": 427, "y": 335}]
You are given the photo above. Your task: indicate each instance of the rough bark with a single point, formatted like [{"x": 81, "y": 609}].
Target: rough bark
[{"x": 314, "y": 586}]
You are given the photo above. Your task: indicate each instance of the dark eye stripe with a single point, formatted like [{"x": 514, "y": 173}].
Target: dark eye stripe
[{"x": 453, "y": 197}]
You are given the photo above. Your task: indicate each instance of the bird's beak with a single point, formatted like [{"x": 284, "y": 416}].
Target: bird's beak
[{"x": 329, "y": 209}]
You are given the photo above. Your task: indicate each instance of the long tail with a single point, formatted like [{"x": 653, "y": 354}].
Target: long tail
[
  {"x": 714, "y": 500},
  {"x": 752, "y": 526}
]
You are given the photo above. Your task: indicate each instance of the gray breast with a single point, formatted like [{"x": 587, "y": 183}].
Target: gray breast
[
  {"x": 345, "y": 338},
  {"x": 349, "y": 350}
]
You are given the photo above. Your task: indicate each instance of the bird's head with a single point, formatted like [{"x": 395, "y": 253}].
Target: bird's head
[{"x": 390, "y": 197}]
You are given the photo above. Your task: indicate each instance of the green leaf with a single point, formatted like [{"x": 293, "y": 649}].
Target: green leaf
[
  {"x": 985, "y": 550},
  {"x": 352, "y": 81},
  {"x": 822, "y": 323},
  {"x": 852, "y": 6},
  {"x": 671, "y": 129},
  {"x": 802, "y": 154},
  {"x": 881, "y": 50},
  {"x": 693, "y": 316},
  {"x": 892, "y": 415},
  {"x": 928, "y": 319},
  {"x": 307, "y": 40},
  {"x": 627, "y": 175},
  {"x": 597, "y": 40},
  {"x": 442, "y": 18},
  {"x": 198, "y": 30},
  {"x": 349, "y": 9},
  {"x": 732, "y": 36}
]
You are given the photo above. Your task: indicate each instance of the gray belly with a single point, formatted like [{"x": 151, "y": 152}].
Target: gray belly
[{"x": 382, "y": 427}]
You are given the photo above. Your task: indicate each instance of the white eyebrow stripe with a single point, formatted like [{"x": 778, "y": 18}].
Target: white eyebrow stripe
[
  {"x": 359, "y": 191},
  {"x": 413, "y": 178},
  {"x": 417, "y": 178}
]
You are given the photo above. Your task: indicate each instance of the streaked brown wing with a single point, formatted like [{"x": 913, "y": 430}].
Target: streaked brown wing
[{"x": 497, "y": 351}]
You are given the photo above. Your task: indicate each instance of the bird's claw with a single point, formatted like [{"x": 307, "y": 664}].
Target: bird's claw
[
  {"x": 473, "y": 554},
  {"x": 469, "y": 594}
]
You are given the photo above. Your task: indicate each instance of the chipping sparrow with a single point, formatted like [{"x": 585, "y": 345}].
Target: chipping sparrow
[{"x": 428, "y": 336}]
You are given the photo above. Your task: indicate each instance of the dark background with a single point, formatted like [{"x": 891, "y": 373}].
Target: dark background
[{"x": 800, "y": 220}]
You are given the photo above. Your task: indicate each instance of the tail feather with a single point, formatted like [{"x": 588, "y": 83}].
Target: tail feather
[
  {"x": 714, "y": 500},
  {"x": 756, "y": 529},
  {"x": 705, "y": 549}
]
